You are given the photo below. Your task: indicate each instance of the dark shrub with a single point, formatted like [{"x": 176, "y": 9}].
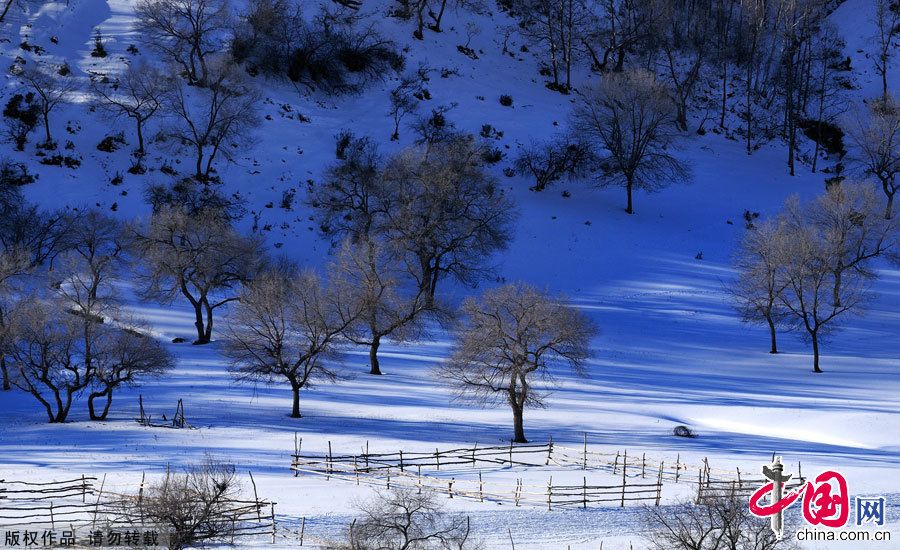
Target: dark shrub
[{"x": 506, "y": 100}]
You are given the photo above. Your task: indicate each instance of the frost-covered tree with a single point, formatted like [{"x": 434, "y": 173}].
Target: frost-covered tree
[
  {"x": 14, "y": 264},
  {"x": 875, "y": 138},
  {"x": 512, "y": 339},
  {"x": 185, "y": 32},
  {"x": 759, "y": 284},
  {"x": 630, "y": 119},
  {"x": 138, "y": 96},
  {"x": 198, "y": 256},
  {"x": 214, "y": 119},
  {"x": 828, "y": 250},
  {"x": 287, "y": 327}
]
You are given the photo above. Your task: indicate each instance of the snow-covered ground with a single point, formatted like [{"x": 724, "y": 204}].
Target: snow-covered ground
[{"x": 671, "y": 349}]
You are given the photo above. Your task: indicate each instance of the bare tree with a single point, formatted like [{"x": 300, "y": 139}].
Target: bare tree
[
  {"x": 405, "y": 519},
  {"x": 403, "y": 99},
  {"x": 53, "y": 354},
  {"x": 511, "y": 339},
  {"x": 126, "y": 356},
  {"x": 550, "y": 161},
  {"x": 757, "y": 290},
  {"x": 449, "y": 214},
  {"x": 287, "y": 327},
  {"x": 192, "y": 507},
  {"x": 14, "y": 264},
  {"x": 137, "y": 95},
  {"x": 887, "y": 26},
  {"x": 186, "y": 32},
  {"x": 198, "y": 255},
  {"x": 630, "y": 118},
  {"x": 818, "y": 292},
  {"x": 391, "y": 304},
  {"x": 720, "y": 521},
  {"x": 51, "y": 90},
  {"x": 352, "y": 200},
  {"x": 875, "y": 136},
  {"x": 213, "y": 119}
]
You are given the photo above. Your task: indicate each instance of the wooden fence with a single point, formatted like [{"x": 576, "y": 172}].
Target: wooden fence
[
  {"x": 452, "y": 474},
  {"x": 80, "y": 503}
]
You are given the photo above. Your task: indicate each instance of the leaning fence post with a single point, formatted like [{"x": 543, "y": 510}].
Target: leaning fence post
[
  {"x": 616, "y": 463},
  {"x": 549, "y": 450},
  {"x": 706, "y": 467},
  {"x": 141, "y": 497},
  {"x": 97, "y": 504},
  {"x": 624, "y": 467},
  {"x": 52, "y": 523},
  {"x": 256, "y": 498},
  {"x": 302, "y": 529},
  {"x": 367, "y": 456}
]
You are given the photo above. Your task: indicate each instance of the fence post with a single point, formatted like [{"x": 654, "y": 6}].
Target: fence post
[
  {"x": 450, "y": 486},
  {"x": 550, "y": 494},
  {"x": 141, "y": 497},
  {"x": 739, "y": 476},
  {"x": 367, "y": 456},
  {"x": 473, "y": 453},
  {"x": 356, "y": 470},
  {"x": 659, "y": 483},
  {"x": 549, "y": 450},
  {"x": 706, "y": 467},
  {"x": 84, "y": 489},
  {"x": 510, "y": 453},
  {"x": 677, "y": 466},
  {"x": 302, "y": 529},
  {"x": 52, "y": 523},
  {"x": 419, "y": 477},
  {"x": 624, "y": 467},
  {"x": 643, "y": 464},
  {"x": 272, "y": 504},
  {"x": 401, "y": 460},
  {"x": 584, "y": 492},
  {"x": 480, "y": 487},
  {"x": 328, "y": 463},
  {"x": 616, "y": 463},
  {"x": 437, "y": 458},
  {"x": 294, "y": 463},
  {"x": 584, "y": 462},
  {"x": 699, "y": 484},
  {"x": 256, "y": 498}
]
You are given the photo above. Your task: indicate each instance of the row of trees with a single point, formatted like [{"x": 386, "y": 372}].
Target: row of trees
[{"x": 811, "y": 267}]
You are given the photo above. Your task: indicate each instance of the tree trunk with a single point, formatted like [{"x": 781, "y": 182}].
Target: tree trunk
[
  {"x": 295, "y": 410},
  {"x": 889, "y": 209},
  {"x": 518, "y": 428},
  {"x": 9, "y": 4},
  {"x": 772, "y": 335},
  {"x": 207, "y": 335},
  {"x": 47, "y": 127},
  {"x": 815, "y": 345},
  {"x": 140, "y": 136},
  {"x": 629, "y": 185},
  {"x": 373, "y": 355},
  {"x": 200, "y": 326},
  {"x": 6, "y": 384},
  {"x": 93, "y": 411}
]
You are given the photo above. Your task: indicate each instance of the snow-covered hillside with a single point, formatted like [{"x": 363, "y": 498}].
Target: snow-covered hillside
[{"x": 671, "y": 350}]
